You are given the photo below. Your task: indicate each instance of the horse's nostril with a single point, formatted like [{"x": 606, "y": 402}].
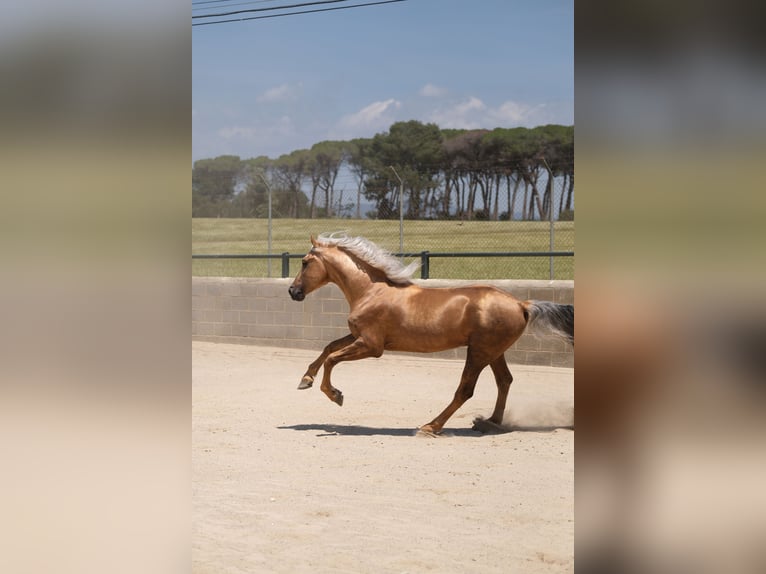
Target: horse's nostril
[{"x": 296, "y": 293}]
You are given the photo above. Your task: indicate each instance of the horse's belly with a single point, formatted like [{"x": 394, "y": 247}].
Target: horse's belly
[{"x": 417, "y": 341}]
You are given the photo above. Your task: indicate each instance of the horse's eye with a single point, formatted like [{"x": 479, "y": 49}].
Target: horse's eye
[{"x": 304, "y": 264}]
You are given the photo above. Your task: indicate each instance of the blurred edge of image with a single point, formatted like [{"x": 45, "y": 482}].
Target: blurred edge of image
[
  {"x": 670, "y": 366},
  {"x": 95, "y": 160},
  {"x": 94, "y": 212}
]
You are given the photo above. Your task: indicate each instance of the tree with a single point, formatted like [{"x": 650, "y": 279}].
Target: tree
[
  {"x": 289, "y": 172},
  {"x": 214, "y": 183},
  {"x": 557, "y": 148},
  {"x": 252, "y": 201},
  {"x": 415, "y": 150},
  {"x": 327, "y": 159},
  {"x": 463, "y": 154},
  {"x": 445, "y": 173},
  {"x": 360, "y": 164}
]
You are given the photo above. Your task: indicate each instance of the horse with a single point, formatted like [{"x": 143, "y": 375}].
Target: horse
[{"x": 388, "y": 312}]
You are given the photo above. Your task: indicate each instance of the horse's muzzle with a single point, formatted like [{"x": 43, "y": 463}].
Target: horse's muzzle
[{"x": 296, "y": 293}]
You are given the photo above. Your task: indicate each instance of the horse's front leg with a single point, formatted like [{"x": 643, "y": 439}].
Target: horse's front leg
[
  {"x": 359, "y": 349},
  {"x": 308, "y": 379}
]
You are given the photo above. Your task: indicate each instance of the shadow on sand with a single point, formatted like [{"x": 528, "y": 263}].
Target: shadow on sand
[
  {"x": 481, "y": 427},
  {"x": 356, "y": 430}
]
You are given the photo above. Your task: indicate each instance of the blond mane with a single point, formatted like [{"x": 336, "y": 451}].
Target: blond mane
[{"x": 373, "y": 255}]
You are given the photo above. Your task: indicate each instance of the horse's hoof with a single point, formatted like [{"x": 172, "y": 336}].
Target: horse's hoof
[
  {"x": 306, "y": 383},
  {"x": 488, "y": 426},
  {"x": 426, "y": 431},
  {"x": 339, "y": 398}
]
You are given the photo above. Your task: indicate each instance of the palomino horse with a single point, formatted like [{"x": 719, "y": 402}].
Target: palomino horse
[{"x": 389, "y": 312}]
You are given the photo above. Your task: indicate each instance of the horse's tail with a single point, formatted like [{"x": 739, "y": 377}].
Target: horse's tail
[{"x": 552, "y": 317}]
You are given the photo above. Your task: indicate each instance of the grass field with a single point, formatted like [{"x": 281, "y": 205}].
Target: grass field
[{"x": 249, "y": 236}]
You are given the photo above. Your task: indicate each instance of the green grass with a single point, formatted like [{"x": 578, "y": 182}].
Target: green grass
[{"x": 249, "y": 236}]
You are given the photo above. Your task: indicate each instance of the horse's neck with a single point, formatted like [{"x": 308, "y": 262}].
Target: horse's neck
[{"x": 353, "y": 277}]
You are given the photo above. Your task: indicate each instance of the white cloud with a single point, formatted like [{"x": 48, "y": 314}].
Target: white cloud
[
  {"x": 275, "y": 135},
  {"x": 254, "y": 133},
  {"x": 473, "y": 104},
  {"x": 474, "y": 114},
  {"x": 518, "y": 114},
  {"x": 468, "y": 114},
  {"x": 432, "y": 91},
  {"x": 237, "y": 132},
  {"x": 374, "y": 116},
  {"x": 276, "y": 94}
]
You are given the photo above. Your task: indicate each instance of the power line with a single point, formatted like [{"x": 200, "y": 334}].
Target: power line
[
  {"x": 251, "y": 2},
  {"x": 220, "y": 1},
  {"x": 267, "y": 9},
  {"x": 294, "y": 13}
]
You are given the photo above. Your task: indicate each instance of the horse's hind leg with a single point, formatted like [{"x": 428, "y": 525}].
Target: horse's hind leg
[
  {"x": 308, "y": 379},
  {"x": 473, "y": 367},
  {"x": 503, "y": 378}
]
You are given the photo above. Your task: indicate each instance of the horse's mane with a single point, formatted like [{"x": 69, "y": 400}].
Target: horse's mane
[{"x": 373, "y": 255}]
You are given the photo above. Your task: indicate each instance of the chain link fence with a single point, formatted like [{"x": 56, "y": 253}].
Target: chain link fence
[{"x": 496, "y": 239}]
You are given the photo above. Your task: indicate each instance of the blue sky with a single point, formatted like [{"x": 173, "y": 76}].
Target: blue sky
[{"x": 268, "y": 87}]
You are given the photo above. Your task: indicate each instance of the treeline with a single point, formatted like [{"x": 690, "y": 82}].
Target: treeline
[{"x": 444, "y": 173}]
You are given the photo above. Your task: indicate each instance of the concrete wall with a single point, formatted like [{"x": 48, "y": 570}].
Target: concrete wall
[{"x": 260, "y": 312}]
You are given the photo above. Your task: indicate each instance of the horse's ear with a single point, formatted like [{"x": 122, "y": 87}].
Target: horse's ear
[{"x": 314, "y": 241}]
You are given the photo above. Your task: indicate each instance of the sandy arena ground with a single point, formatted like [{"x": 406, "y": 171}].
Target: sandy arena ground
[{"x": 285, "y": 481}]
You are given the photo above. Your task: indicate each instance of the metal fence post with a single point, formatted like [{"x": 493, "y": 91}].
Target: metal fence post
[
  {"x": 551, "y": 203},
  {"x": 285, "y": 264},
  {"x": 268, "y": 188},
  {"x": 424, "y": 262},
  {"x": 401, "y": 210}
]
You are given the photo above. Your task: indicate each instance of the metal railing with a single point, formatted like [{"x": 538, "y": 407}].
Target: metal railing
[{"x": 425, "y": 257}]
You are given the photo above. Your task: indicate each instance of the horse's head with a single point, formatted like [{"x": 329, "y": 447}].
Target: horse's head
[{"x": 313, "y": 273}]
